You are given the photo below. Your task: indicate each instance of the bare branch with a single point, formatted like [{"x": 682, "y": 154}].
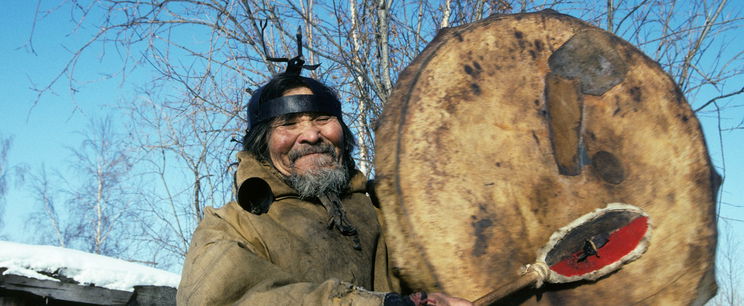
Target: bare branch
[
  {"x": 731, "y": 94},
  {"x": 709, "y": 21}
]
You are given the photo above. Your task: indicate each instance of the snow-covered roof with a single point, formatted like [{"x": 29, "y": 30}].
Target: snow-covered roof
[{"x": 85, "y": 268}]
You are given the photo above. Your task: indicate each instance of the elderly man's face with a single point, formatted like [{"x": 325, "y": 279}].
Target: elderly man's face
[{"x": 305, "y": 142}]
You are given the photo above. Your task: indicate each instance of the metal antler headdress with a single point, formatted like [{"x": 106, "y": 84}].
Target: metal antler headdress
[
  {"x": 323, "y": 100},
  {"x": 296, "y": 63}
]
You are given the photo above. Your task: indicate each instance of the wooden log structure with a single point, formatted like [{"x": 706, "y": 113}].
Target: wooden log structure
[
  {"x": 504, "y": 130},
  {"x": 17, "y": 290}
]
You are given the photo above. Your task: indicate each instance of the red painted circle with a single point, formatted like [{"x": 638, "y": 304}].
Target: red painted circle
[{"x": 621, "y": 242}]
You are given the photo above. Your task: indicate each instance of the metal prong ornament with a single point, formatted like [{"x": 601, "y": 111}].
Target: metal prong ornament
[{"x": 295, "y": 64}]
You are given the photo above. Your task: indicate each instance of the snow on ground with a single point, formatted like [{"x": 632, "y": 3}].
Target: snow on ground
[{"x": 85, "y": 268}]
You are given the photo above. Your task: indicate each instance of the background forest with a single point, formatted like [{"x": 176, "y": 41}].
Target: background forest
[{"x": 120, "y": 119}]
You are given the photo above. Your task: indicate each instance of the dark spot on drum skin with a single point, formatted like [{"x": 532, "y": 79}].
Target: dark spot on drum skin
[
  {"x": 554, "y": 298},
  {"x": 474, "y": 70},
  {"x": 468, "y": 69},
  {"x": 545, "y": 192},
  {"x": 608, "y": 167},
  {"x": 635, "y": 94},
  {"x": 696, "y": 256},
  {"x": 591, "y": 134},
  {"x": 475, "y": 88},
  {"x": 714, "y": 180},
  {"x": 519, "y": 35},
  {"x": 450, "y": 104},
  {"x": 457, "y": 35},
  {"x": 481, "y": 235},
  {"x": 589, "y": 57},
  {"x": 678, "y": 95},
  {"x": 628, "y": 54},
  {"x": 534, "y": 136},
  {"x": 538, "y": 45}
]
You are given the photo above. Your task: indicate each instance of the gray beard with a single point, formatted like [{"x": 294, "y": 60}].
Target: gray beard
[
  {"x": 329, "y": 175},
  {"x": 316, "y": 182}
]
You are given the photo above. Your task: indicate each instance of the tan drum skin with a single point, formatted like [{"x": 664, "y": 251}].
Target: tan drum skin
[{"x": 502, "y": 131}]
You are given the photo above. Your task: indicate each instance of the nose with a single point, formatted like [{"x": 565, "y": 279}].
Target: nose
[{"x": 308, "y": 133}]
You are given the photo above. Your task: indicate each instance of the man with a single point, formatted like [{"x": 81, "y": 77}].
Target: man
[{"x": 303, "y": 231}]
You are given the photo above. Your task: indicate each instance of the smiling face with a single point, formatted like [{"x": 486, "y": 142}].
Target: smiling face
[{"x": 305, "y": 143}]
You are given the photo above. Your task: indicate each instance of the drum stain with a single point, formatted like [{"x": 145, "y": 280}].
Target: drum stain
[
  {"x": 590, "y": 57},
  {"x": 608, "y": 167},
  {"x": 474, "y": 70},
  {"x": 543, "y": 196},
  {"x": 538, "y": 45},
  {"x": 457, "y": 35},
  {"x": 565, "y": 119},
  {"x": 475, "y": 88},
  {"x": 468, "y": 69},
  {"x": 635, "y": 94},
  {"x": 481, "y": 236},
  {"x": 537, "y": 139}
]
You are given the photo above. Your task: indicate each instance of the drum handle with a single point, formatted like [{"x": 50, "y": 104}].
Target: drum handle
[{"x": 529, "y": 278}]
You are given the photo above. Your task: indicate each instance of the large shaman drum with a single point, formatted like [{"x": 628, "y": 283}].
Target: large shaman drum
[{"x": 504, "y": 130}]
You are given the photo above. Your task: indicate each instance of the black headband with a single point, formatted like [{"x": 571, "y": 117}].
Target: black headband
[{"x": 298, "y": 104}]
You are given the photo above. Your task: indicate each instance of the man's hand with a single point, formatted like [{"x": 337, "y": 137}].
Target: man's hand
[
  {"x": 441, "y": 299},
  {"x": 420, "y": 298}
]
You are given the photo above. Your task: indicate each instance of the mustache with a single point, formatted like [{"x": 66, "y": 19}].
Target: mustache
[{"x": 322, "y": 148}]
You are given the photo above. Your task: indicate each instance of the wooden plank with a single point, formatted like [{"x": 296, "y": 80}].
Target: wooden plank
[
  {"x": 153, "y": 295},
  {"x": 64, "y": 291}
]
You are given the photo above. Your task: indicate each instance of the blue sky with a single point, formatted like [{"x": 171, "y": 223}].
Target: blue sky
[{"x": 42, "y": 133}]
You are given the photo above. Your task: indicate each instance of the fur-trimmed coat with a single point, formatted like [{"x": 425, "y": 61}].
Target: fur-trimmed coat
[{"x": 286, "y": 256}]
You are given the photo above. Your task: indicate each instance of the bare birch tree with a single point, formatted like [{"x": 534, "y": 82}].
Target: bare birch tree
[
  {"x": 4, "y": 173},
  {"x": 729, "y": 270},
  {"x": 46, "y": 223},
  {"x": 92, "y": 209},
  {"x": 100, "y": 204}
]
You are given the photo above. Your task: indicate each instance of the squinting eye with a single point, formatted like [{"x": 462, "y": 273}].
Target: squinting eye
[
  {"x": 323, "y": 119},
  {"x": 285, "y": 124}
]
